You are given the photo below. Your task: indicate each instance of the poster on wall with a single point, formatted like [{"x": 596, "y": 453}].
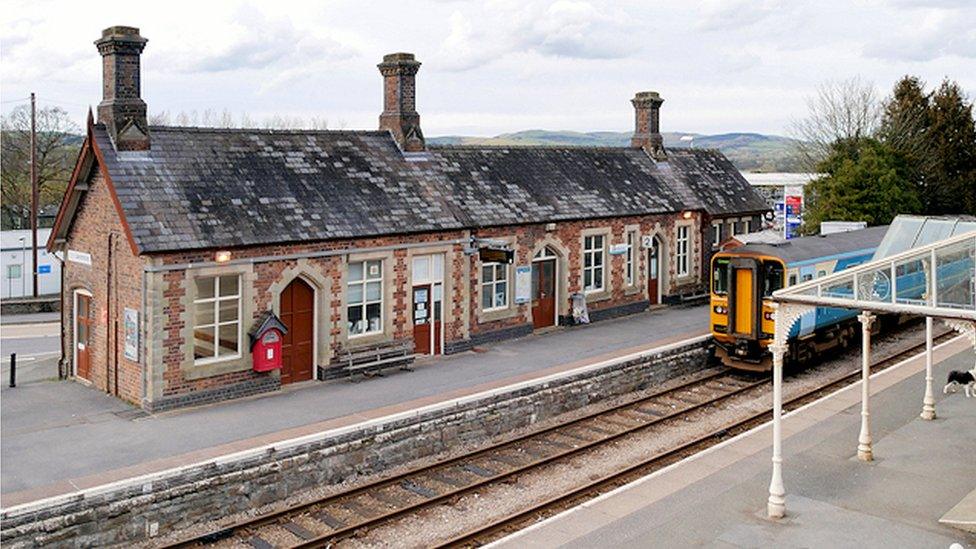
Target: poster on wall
[
  {"x": 523, "y": 284},
  {"x": 793, "y": 214},
  {"x": 130, "y": 320}
]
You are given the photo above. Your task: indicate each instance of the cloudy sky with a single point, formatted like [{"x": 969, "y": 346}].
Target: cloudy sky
[{"x": 493, "y": 66}]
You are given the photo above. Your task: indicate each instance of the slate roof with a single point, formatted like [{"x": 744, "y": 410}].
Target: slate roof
[
  {"x": 510, "y": 185},
  {"x": 715, "y": 181},
  {"x": 211, "y": 188}
]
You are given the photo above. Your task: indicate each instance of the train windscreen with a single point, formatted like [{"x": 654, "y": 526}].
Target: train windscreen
[
  {"x": 772, "y": 277},
  {"x": 720, "y": 276}
]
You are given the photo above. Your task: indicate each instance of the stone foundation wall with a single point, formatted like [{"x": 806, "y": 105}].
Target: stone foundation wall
[{"x": 123, "y": 513}]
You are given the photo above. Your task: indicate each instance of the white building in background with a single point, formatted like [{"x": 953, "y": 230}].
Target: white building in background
[
  {"x": 16, "y": 266},
  {"x": 784, "y": 194}
]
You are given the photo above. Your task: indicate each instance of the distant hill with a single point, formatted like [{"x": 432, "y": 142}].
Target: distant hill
[{"x": 748, "y": 151}]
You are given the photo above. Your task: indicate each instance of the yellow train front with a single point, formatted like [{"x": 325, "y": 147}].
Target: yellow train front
[
  {"x": 744, "y": 278},
  {"x": 741, "y": 318}
]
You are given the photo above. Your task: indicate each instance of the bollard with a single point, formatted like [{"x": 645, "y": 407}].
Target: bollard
[{"x": 13, "y": 369}]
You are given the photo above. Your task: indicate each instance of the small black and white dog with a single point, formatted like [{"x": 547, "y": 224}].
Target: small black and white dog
[{"x": 966, "y": 379}]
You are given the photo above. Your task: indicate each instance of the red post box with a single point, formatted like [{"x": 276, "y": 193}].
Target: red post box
[{"x": 266, "y": 337}]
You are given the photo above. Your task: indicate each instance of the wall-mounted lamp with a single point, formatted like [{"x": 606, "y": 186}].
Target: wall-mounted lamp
[
  {"x": 223, "y": 256},
  {"x": 686, "y": 214}
]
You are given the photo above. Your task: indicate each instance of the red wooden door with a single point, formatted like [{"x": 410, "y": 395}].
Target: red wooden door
[
  {"x": 426, "y": 312},
  {"x": 297, "y": 346},
  {"x": 83, "y": 324},
  {"x": 543, "y": 293},
  {"x": 653, "y": 272}
]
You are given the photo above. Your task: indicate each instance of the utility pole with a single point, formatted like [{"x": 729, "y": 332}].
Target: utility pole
[{"x": 34, "y": 192}]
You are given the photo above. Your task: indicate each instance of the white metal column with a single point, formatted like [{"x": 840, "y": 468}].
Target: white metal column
[
  {"x": 864, "y": 439},
  {"x": 928, "y": 403},
  {"x": 776, "y": 506}
]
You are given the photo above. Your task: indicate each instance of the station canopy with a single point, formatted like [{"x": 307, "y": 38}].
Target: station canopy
[{"x": 924, "y": 266}]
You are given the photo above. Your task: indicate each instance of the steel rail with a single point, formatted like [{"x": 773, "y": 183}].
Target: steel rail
[
  {"x": 472, "y": 537},
  {"x": 268, "y": 518},
  {"x": 340, "y": 533}
]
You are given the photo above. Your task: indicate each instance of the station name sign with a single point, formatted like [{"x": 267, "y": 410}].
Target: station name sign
[{"x": 496, "y": 255}]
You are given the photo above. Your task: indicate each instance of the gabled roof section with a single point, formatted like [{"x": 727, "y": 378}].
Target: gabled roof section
[
  {"x": 510, "y": 185},
  {"x": 89, "y": 159},
  {"x": 713, "y": 179}
]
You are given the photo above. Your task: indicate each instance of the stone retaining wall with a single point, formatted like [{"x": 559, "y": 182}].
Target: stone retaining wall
[{"x": 125, "y": 513}]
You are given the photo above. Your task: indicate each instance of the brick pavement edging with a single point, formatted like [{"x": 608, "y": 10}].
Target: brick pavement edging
[{"x": 121, "y": 512}]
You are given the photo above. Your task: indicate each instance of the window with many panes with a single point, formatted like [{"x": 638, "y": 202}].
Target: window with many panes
[
  {"x": 217, "y": 318},
  {"x": 681, "y": 254},
  {"x": 593, "y": 261},
  {"x": 494, "y": 286},
  {"x": 364, "y": 297},
  {"x": 630, "y": 266}
]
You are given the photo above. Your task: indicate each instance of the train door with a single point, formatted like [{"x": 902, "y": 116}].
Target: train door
[{"x": 743, "y": 305}]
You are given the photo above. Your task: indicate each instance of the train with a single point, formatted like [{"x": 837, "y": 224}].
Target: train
[{"x": 743, "y": 278}]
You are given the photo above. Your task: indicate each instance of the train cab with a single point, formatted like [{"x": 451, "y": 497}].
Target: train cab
[{"x": 744, "y": 278}]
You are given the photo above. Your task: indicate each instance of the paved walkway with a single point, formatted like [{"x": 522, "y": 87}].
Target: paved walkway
[
  {"x": 58, "y": 437},
  {"x": 922, "y": 470}
]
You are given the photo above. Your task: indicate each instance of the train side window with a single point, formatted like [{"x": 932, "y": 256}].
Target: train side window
[
  {"x": 772, "y": 277},
  {"x": 792, "y": 280},
  {"x": 720, "y": 277},
  {"x": 821, "y": 274},
  {"x": 807, "y": 277}
]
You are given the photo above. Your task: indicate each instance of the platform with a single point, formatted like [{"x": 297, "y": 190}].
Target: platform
[
  {"x": 922, "y": 471},
  {"x": 60, "y": 437}
]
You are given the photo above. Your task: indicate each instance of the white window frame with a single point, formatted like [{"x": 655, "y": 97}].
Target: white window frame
[
  {"x": 602, "y": 250},
  {"x": 215, "y": 300},
  {"x": 366, "y": 302},
  {"x": 493, "y": 286},
  {"x": 716, "y": 234},
  {"x": 682, "y": 250},
  {"x": 630, "y": 265},
  {"x": 746, "y": 226}
]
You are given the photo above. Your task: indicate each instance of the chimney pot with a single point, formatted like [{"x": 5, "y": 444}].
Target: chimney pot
[
  {"x": 399, "y": 115},
  {"x": 122, "y": 109},
  {"x": 647, "y": 124}
]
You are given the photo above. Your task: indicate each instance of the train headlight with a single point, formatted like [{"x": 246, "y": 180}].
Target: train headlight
[
  {"x": 720, "y": 309},
  {"x": 769, "y": 315}
]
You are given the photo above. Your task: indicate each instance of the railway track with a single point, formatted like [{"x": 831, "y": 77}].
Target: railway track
[
  {"x": 515, "y": 521},
  {"x": 349, "y": 513}
]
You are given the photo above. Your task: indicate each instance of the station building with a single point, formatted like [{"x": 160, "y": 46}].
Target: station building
[{"x": 179, "y": 240}]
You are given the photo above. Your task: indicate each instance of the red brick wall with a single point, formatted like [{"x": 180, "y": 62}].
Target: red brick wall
[{"x": 97, "y": 230}]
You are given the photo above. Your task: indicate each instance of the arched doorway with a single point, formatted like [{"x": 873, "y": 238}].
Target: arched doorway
[
  {"x": 654, "y": 270},
  {"x": 297, "y": 312},
  {"x": 544, "y": 288}
]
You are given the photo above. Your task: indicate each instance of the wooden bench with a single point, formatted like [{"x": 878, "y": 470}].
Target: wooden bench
[{"x": 371, "y": 361}]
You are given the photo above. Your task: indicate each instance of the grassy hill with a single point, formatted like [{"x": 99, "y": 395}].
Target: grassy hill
[{"x": 748, "y": 151}]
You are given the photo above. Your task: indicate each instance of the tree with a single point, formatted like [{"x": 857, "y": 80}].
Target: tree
[
  {"x": 864, "y": 180},
  {"x": 951, "y": 183},
  {"x": 840, "y": 111},
  {"x": 906, "y": 125},
  {"x": 57, "y": 144}
]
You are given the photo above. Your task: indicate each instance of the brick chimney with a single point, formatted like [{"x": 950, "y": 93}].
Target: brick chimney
[
  {"x": 400, "y": 100},
  {"x": 122, "y": 110},
  {"x": 647, "y": 124}
]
